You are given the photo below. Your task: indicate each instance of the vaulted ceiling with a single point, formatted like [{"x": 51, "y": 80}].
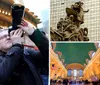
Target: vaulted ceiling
[{"x": 75, "y": 52}]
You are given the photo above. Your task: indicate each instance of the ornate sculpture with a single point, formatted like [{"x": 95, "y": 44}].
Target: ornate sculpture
[{"x": 68, "y": 28}]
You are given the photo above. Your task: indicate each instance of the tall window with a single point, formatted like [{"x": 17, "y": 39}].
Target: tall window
[
  {"x": 75, "y": 72},
  {"x": 69, "y": 72},
  {"x": 80, "y": 73},
  {"x": 93, "y": 54}
]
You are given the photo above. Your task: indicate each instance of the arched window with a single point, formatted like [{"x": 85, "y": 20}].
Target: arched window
[
  {"x": 99, "y": 44},
  {"x": 91, "y": 53},
  {"x": 75, "y": 72},
  {"x": 53, "y": 45},
  {"x": 80, "y": 72},
  {"x": 69, "y": 72}
]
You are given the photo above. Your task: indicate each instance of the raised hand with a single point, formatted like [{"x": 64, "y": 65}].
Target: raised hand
[
  {"x": 26, "y": 27},
  {"x": 15, "y": 36}
]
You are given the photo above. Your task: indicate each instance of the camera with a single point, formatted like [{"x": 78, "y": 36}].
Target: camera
[{"x": 17, "y": 15}]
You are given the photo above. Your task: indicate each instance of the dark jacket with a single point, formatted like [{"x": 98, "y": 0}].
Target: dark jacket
[{"x": 23, "y": 67}]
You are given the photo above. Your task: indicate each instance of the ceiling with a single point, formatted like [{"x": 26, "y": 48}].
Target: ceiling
[{"x": 75, "y": 52}]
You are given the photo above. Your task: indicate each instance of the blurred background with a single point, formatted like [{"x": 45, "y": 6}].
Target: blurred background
[{"x": 36, "y": 13}]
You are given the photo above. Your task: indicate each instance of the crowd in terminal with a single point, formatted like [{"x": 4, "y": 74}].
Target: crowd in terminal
[{"x": 73, "y": 82}]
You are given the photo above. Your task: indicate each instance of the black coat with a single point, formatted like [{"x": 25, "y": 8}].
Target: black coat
[{"x": 23, "y": 67}]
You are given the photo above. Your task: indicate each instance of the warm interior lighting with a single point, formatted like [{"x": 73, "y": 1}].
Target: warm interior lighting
[
  {"x": 9, "y": 14},
  {"x": 93, "y": 66},
  {"x": 0, "y": 11},
  {"x": 60, "y": 70},
  {"x": 6, "y": 13},
  {"x": 3, "y": 12}
]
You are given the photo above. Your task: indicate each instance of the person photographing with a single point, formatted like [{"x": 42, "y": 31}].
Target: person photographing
[{"x": 19, "y": 66}]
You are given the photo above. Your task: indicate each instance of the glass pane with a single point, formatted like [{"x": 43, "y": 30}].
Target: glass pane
[
  {"x": 69, "y": 72},
  {"x": 75, "y": 72}
]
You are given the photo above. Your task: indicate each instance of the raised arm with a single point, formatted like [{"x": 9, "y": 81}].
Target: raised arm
[{"x": 38, "y": 38}]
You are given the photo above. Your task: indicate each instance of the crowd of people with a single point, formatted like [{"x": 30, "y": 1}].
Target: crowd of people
[{"x": 73, "y": 82}]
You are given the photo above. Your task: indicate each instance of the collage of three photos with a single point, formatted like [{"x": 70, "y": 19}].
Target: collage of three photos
[{"x": 49, "y": 42}]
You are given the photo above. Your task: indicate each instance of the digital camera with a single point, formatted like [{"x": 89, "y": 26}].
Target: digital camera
[{"x": 17, "y": 15}]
